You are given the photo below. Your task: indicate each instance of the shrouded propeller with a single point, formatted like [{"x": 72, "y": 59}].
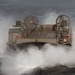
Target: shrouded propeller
[
  {"x": 62, "y": 20},
  {"x": 31, "y": 22}
]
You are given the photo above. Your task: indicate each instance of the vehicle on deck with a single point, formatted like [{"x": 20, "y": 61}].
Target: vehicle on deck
[{"x": 30, "y": 31}]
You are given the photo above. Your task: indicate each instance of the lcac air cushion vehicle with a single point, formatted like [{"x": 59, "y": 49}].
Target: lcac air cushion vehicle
[{"x": 29, "y": 31}]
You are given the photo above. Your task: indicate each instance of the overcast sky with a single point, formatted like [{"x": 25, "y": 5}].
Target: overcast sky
[{"x": 36, "y": 7}]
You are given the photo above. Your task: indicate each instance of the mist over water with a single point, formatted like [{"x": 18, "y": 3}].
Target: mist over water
[
  {"x": 50, "y": 18},
  {"x": 19, "y": 61}
]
